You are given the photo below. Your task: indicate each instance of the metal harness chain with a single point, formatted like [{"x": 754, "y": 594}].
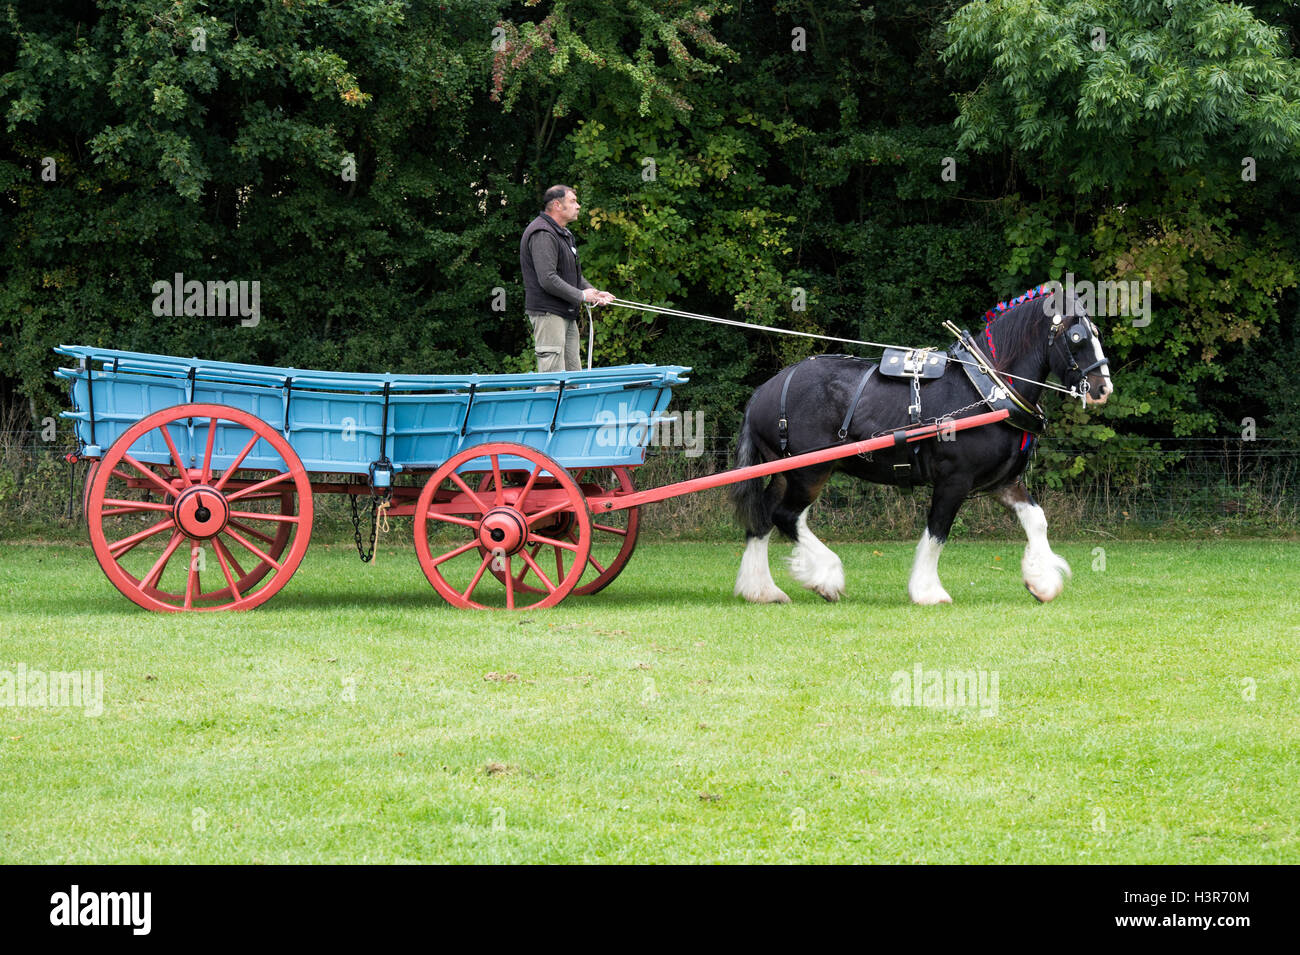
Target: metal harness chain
[
  {"x": 927, "y": 421},
  {"x": 953, "y": 414}
]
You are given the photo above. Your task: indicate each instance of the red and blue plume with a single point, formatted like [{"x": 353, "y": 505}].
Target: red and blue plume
[{"x": 1036, "y": 292}]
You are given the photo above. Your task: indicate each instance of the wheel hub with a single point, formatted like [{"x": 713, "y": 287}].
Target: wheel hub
[
  {"x": 201, "y": 512},
  {"x": 503, "y": 529}
]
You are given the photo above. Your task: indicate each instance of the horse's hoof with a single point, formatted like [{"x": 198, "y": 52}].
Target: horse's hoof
[
  {"x": 1044, "y": 578},
  {"x": 932, "y": 598},
  {"x": 774, "y": 595},
  {"x": 823, "y": 573}
]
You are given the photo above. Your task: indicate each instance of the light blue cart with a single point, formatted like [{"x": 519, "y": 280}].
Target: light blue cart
[{"x": 218, "y": 461}]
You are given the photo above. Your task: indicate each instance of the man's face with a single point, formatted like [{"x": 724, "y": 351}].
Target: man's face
[{"x": 565, "y": 210}]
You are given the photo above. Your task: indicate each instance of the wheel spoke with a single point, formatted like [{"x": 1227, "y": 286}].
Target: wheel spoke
[
  {"x": 500, "y": 497},
  {"x": 528, "y": 486},
  {"x": 452, "y": 519},
  {"x": 239, "y": 459},
  {"x": 553, "y": 542},
  {"x": 151, "y": 578},
  {"x": 454, "y": 553},
  {"x": 225, "y": 569},
  {"x": 591, "y": 557},
  {"x": 133, "y": 507},
  {"x": 259, "y": 486},
  {"x": 510, "y": 586},
  {"x": 264, "y": 556},
  {"x": 158, "y": 482},
  {"x": 192, "y": 579},
  {"x": 176, "y": 455},
  {"x": 456, "y": 479},
  {"x": 260, "y": 516},
  {"x": 223, "y": 550},
  {"x": 559, "y": 564},
  {"x": 207, "y": 452},
  {"x": 477, "y": 577},
  {"x": 620, "y": 531},
  {"x": 523, "y": 571},
  {"x": 120, "y": 547},
  {"x": 253, "y": 532}
]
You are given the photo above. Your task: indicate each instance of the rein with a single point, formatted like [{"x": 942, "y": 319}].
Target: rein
[{"x": 1001, "y": 306}]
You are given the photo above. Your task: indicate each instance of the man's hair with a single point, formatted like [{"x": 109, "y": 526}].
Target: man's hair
[{"x": 554, "y": 194}]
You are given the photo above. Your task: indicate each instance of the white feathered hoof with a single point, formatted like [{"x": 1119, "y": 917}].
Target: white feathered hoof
[
  {"x": 1044, "y": 575},
  {"x": 929, "y": 596},
  {"x": 770, "y": 594},
  {"x": 819, "y": 571},
  {"x": 754, "y": 582}
]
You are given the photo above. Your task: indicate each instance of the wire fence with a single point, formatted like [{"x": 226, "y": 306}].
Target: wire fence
[
  {"x": 1210, "y": 485},
  {"x": 1188, "y": 486}
]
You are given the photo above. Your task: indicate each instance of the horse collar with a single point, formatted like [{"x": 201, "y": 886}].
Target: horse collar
[{"x": 997, "y": 391}]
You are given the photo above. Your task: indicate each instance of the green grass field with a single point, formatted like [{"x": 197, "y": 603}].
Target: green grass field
[{"x": 1148, "y": 715}]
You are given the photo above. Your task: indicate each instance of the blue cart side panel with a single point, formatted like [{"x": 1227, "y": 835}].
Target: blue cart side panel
[{"x": 336, "y": 421}]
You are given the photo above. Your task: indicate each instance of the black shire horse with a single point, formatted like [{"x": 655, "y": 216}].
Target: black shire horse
[{"x": 807, "y": 406}]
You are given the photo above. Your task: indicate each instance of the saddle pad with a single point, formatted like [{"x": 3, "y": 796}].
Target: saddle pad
[{"x": 913, "y": 362}]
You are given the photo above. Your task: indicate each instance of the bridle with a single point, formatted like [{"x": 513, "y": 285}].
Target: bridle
[{"x": 1073, "y": 336}]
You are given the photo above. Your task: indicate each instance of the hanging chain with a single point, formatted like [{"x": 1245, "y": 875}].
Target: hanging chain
[
  {"x": 362, "y": 552},
  {"x": 953, "y": 414}
]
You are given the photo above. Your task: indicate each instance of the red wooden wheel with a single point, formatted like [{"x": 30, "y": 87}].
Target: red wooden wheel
[
  {"x": 462, "y": 533},
  {"x": 160, "y": 529},
  {"x": 613, "y": 536}
]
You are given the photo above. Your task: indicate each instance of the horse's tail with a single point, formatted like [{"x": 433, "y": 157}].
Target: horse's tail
[{"x": 752, "y": 508}]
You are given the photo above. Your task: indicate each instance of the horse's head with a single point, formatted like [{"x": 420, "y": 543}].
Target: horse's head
[{"x": 1074, "y": 350}]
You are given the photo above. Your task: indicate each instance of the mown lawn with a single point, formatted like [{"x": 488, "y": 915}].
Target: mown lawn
[{"x": 1148, "y": 715}]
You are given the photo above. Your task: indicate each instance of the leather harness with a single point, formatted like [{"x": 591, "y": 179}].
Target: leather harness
[
  {"x": 995, "y": 391},
  {"x": 783, "y": 420}
]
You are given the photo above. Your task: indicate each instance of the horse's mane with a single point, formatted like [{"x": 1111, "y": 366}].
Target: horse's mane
[{"x": 1017, "y": 331}]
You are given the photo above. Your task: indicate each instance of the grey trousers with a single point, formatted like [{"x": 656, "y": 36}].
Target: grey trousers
[{"x": 555, "y": 340}]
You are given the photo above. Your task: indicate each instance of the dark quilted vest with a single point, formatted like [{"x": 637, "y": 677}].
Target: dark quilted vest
[{"x": 537, "y": 299}]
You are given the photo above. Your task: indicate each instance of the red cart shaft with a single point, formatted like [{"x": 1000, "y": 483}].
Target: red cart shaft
[{"x": 902, "y": 436}]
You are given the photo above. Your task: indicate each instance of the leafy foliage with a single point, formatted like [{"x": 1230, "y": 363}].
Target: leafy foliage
[
  {"x": 1152, "y": 142},
  {"x": 371, "y": 164}
]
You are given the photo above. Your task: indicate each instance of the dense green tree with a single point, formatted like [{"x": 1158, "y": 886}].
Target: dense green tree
[
  {"x": 371, "y": 163},
  {"x": 1151, "y": 141}
]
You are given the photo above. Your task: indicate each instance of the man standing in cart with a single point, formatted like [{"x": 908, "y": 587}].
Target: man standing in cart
[{"x": 554, "y": 288}]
